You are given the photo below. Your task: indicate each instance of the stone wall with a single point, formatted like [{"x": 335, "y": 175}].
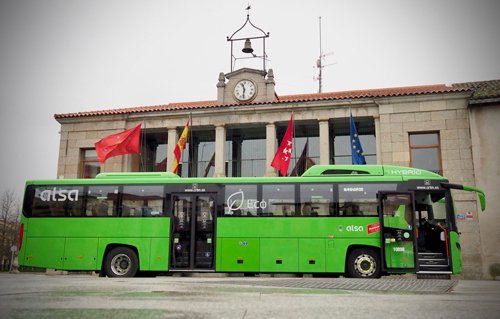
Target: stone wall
[
  {"x": 450, "y": 117},
  {"x": 486, "y": 153}
]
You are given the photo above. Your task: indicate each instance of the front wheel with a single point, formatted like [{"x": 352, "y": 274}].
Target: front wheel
[
  {"x": 121, "y": 262},
  {"x": 363, "y": 263}
]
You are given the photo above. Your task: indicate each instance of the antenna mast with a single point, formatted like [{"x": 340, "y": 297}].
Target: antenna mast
[{"x": 319, "y": 63}]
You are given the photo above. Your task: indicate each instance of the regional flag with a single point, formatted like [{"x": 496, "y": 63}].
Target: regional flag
[
  {"x": 119, "y": 144},
  {"x": 282, "y": 158},
  {"x": 358, "y": 157},
  {"x": 181, "y": 145}
]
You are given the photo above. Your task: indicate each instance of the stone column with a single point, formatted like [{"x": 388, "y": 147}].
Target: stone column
[
  {"x": 220, "y": 150},
  {"x": 377, "y": 139},
  {"x": 324, "y": 142},
  {"x": 173, "y": 138},
  {"x": 270, "y": 149}
]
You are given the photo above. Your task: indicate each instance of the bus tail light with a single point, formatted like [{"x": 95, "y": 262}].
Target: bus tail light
[{"x": 21, "y": 233}]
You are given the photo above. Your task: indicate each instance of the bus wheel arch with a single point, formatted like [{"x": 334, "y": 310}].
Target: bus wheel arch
[
  {"x": 120, "y": 261},
  {"x": 363, "y": 262}
]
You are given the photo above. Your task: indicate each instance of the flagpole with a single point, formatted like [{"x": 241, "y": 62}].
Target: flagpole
[
  {"x": 191, "y": 146},
  {"x": 293, "y": 139},
  {"x": 143, "y": 142}
]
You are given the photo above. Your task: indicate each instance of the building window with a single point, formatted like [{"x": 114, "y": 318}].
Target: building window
[
  {"x": 246, "y": 151},
  {"x": 425, "y": 151},
  {"x": 153, "y": 152},
  {"x": 90, "y": 165}
]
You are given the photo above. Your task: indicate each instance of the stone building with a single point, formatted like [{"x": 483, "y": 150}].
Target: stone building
[
  {"x": 434, "y": 127},
  {"x": 484, "y": 115}
]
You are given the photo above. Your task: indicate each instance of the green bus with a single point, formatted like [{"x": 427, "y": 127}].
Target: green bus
[{"x": 360, "y": 220}]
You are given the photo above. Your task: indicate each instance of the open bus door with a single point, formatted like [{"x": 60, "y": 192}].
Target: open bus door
[{"x": 397, "y": 230}]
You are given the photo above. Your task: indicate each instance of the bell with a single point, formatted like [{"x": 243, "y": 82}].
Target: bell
[{"x": 248, "y": 47}]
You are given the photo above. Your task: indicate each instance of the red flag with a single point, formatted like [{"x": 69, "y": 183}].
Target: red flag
[
  {"x": 181, "y": 145},
  {"x": 119, "y": 144},
  {"x": 282, "y": 158}
]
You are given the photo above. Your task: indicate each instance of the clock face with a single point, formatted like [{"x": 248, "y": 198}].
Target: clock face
[{"x": 244, "y": 90}]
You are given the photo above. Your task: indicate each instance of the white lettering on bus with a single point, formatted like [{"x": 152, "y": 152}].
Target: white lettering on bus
[
  {"x": 63, "y": 194},
  {"x": 233, "y": 199},
  {"x": 406, "y": 172},
  {"x": 398, "y": 249},
  {"x": 354, "y": 228},
  {"x": 353, "y": 189}
]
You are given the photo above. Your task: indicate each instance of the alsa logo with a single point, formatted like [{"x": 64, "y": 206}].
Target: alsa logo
[
  {"x": 60, "y": 195},
  {"x": 354, "y": 228},
  {"x": 406, "y": 172}
]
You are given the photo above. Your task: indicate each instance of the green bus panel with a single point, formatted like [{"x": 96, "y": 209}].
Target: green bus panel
[
  {"x": 399, "y": 254},
  {"x": 456, "y": 254},
  {"x": 159, "y": 254},
  {"x": 80, "y": 254},
  {"x": 143, "y": 246},
  {"x": 239, "y": 254},
  {"x": 312, "y": 227},
  {"x": 312, "y": 255},
  {"x": 99, "y": 227},
  {"x": 44, "y": 252},
  {"x": 279, "y": 255}
]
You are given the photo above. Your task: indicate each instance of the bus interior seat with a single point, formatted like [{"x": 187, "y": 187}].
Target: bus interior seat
[
  {"x": 125, "y": 211},
  {"x": 100, "y": 209},
  {"x": 146, "y": 211}
]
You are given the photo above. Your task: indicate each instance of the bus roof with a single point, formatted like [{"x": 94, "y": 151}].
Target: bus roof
[{"x": 340, "y": 173}]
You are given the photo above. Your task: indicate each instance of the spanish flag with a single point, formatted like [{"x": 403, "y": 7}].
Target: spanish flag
[{"x": 181, "y": 145}]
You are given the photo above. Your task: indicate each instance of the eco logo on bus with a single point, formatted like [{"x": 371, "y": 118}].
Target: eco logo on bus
[
  {"x": 60, "y": 195},
  {"x": 236, "y": 201}
]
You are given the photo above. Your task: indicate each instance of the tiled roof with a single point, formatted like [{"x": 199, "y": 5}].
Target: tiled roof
[
  {"x": 358, "y": 94},
  {"x": 482, "y": 89}
]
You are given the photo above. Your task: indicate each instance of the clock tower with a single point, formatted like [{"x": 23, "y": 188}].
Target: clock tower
[{"x": 246, "y": 85}]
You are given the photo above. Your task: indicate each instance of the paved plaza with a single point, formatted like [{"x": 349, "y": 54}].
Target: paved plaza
[{"x": 85, "y": 296}]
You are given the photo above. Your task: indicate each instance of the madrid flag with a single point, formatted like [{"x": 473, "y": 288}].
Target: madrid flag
[
  {"x": 282, "y": 158},
  {"x": 119, "y": 144},
  {"x": 181, "y": 145}
]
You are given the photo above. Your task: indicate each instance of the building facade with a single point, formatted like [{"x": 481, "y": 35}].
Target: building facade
[{"x": 431, "y": 127}]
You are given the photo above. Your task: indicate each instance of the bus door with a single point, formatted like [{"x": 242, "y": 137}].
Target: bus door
[
  {"x": 192, "y": 240},
  {"x": 397, "y": 231}
]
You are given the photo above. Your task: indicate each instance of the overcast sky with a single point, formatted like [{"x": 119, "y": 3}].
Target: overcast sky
[{"x": 83, "y": 55}]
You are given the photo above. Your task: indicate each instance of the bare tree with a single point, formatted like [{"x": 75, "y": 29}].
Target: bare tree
[{"x": 9, "y": 212}]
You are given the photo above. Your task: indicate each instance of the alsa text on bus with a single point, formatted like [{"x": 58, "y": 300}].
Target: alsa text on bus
[{"x": 60, "y": 195}]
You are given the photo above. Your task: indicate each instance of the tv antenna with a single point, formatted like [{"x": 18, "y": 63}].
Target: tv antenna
[{"x": 320, "y": 62}]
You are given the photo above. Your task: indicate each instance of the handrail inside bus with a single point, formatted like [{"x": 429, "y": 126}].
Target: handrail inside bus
[{"x": 480, "y": 193}]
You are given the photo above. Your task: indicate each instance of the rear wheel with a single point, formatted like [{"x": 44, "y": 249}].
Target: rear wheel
[
  {"x": 363, "y": 263},
  {"x": 121, "y": 262}
]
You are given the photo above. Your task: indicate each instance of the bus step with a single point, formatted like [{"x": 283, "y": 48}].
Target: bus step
[{"x": 433, "y": 267}]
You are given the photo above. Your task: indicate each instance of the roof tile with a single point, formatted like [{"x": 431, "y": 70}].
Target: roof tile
[{"x": 329, "y": 96}]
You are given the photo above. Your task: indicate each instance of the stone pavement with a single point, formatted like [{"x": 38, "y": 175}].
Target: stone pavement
[{"x": 83, "y": 296}]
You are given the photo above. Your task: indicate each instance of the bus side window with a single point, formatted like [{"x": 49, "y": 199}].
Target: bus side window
[
  {"x": 360, "y": 199},
  {"x": 142, "y": 201},
  {"x": 58, "y": 201},
  {"x": 279, "y": 198},
  {"x": 102, "y": 201},
  {"x": 316, "y": 200}
]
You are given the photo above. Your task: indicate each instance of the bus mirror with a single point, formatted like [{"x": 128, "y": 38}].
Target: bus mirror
[{"x": 480, "y": 193}]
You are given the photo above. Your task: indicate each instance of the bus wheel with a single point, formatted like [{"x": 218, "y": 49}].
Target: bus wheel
[
  {"x": 363, "y": 263},
  {"x": 121, "y": 262}
]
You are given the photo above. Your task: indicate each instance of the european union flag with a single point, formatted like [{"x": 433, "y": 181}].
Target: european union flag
[{"x": 358, "y": 157}]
